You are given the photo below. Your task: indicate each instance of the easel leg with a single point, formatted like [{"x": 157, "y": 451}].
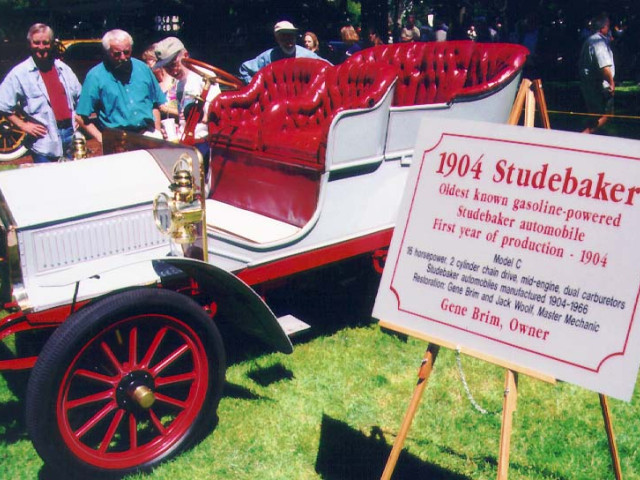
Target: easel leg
[
  {"x": 508, "y": 407},
  {"x": 608, "y": 425},
  {"x": 542, "y": 103},
  {"x": 423, "y": 376},
  {"x": 528, "y": 98},
  {"x": 529, "y": 109},
  {"x": 516, "y": 109}
]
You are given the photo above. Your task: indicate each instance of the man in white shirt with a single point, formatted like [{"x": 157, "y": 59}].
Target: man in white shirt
[{"x": 597, "y": 71}]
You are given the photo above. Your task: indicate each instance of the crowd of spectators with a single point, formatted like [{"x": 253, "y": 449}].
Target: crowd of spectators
[
  {"x": 131, "y": 94},
  {"x": 42, "y": 95}
]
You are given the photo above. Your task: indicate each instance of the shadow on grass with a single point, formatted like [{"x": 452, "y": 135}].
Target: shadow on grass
[
  {"x": 273, "y": 374},
  {"x": 47, "y": 473},
  {"x": 12, "y": 427},
  {"x": 328, "y": 299},
  {"x": 347, "y": 454},
  {"x": 263, "y": 377},
  {"x": 232, "y": 390}
]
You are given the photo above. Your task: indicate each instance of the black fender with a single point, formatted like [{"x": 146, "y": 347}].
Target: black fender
[{"x": 238, "y": 303}]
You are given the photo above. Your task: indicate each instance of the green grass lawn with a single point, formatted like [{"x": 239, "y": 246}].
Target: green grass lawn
[{"x": 331, "y": 411}]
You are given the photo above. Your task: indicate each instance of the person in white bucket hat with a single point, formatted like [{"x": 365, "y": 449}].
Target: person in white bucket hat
[{"x": 285, "y": 34}]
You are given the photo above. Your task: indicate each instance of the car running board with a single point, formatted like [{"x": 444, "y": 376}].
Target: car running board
[{"x": 292, "y": 326}]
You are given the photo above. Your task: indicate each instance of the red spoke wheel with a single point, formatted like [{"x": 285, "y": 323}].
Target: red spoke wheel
[{"x": 125, "y": 383}]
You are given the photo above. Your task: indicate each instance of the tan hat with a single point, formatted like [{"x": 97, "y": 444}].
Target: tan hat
[
  {"x": 166, "y": 50},
  {"x": 284, "y": 27}
]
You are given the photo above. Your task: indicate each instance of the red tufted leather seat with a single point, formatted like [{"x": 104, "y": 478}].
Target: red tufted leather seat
[
  {"x": 439, "y": 72},
  {"x": 492, "y": 66},
  {"x": 302, "y": 128},
  {"x": 235, "y": 118},
  {"x": 269, "y": 140}
]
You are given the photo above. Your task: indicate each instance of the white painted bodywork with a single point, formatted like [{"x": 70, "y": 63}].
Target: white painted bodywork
[
  {"x": 404, "y": 122},
  {"x": 75, "y": 220}
]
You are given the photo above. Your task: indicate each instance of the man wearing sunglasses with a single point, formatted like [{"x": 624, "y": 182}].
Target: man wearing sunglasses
[{"x": 121, "y": 91}]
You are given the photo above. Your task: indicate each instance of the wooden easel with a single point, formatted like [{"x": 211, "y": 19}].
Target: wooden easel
[{"x": 529, "y": 94}]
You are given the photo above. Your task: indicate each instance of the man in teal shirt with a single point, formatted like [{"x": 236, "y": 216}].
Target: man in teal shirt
[{"x": 122, "y": 91}]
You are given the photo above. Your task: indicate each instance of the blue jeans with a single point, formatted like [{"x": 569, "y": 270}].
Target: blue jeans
[{"x": 66, "y": 137}]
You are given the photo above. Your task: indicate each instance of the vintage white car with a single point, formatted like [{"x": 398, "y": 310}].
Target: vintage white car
[{"x": 117, "y": 270}]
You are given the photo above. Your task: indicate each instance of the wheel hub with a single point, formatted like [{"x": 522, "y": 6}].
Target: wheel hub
[{"x": 136, "y": 391}]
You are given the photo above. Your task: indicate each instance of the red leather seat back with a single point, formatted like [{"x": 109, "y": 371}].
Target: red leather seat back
[
  {"x": 353, "y": 85},
  {"x": 438, "y": 72},
  {"x": 289, "y": 78},
  {"x": 492, "y": 65},
  {"x": 428, "y": 72},
  {"x": 298, "y": 130},
  {"x": 245, "y": 173},
  {"x": 238, "y": 114}
]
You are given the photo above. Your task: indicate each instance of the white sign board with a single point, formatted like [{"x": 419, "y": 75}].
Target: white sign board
[{"x": 522, "y": 244}]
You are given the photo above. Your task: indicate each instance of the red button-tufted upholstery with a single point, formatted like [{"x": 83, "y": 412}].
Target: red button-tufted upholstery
[
  {"x": 278, "y": 175},
  {"x": 303, "y": 126},
  {"x": 268, "y": 141},
  {"x": 427, "y": 72},
  {"x": 438, "y": 72},
  {"x": 243, "y": 175},
  {"x": 493, "y": 66},
  {"x": 235, "y": 117}
]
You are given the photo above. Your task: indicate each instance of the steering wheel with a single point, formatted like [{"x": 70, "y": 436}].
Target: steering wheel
[{"x": 214, "y": 74}]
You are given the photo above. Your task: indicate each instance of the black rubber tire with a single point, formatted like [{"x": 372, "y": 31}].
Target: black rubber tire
[{"x": 74, "y": 365}]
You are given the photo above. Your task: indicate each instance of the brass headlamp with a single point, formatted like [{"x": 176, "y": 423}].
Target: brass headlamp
[
  {"x": 180, "y": 215},
  {"x": 78, "y": 146}
]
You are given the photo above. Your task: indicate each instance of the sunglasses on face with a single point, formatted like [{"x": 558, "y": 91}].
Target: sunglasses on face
[{"x": 124, "y": 53}]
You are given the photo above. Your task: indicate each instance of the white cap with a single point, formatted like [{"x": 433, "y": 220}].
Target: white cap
[{"x": 284, "y": 27}]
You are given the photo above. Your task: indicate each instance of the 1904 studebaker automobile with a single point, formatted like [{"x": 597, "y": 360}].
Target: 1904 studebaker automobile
[{"x": 129, "y": 284}]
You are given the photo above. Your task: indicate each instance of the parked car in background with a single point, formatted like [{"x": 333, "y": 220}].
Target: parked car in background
[{"x": 81, "y": 54}]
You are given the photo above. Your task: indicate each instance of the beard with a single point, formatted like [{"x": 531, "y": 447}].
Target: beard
[
  {"x": 123, "y": 67},
  {"x": 44, "y": 60},
  {"x": 122, "y": 71}
]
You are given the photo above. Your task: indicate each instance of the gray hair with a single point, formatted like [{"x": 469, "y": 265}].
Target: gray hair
[
  {"x": 38, "y": 28},
  {"x": 116, "y": 35}
]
